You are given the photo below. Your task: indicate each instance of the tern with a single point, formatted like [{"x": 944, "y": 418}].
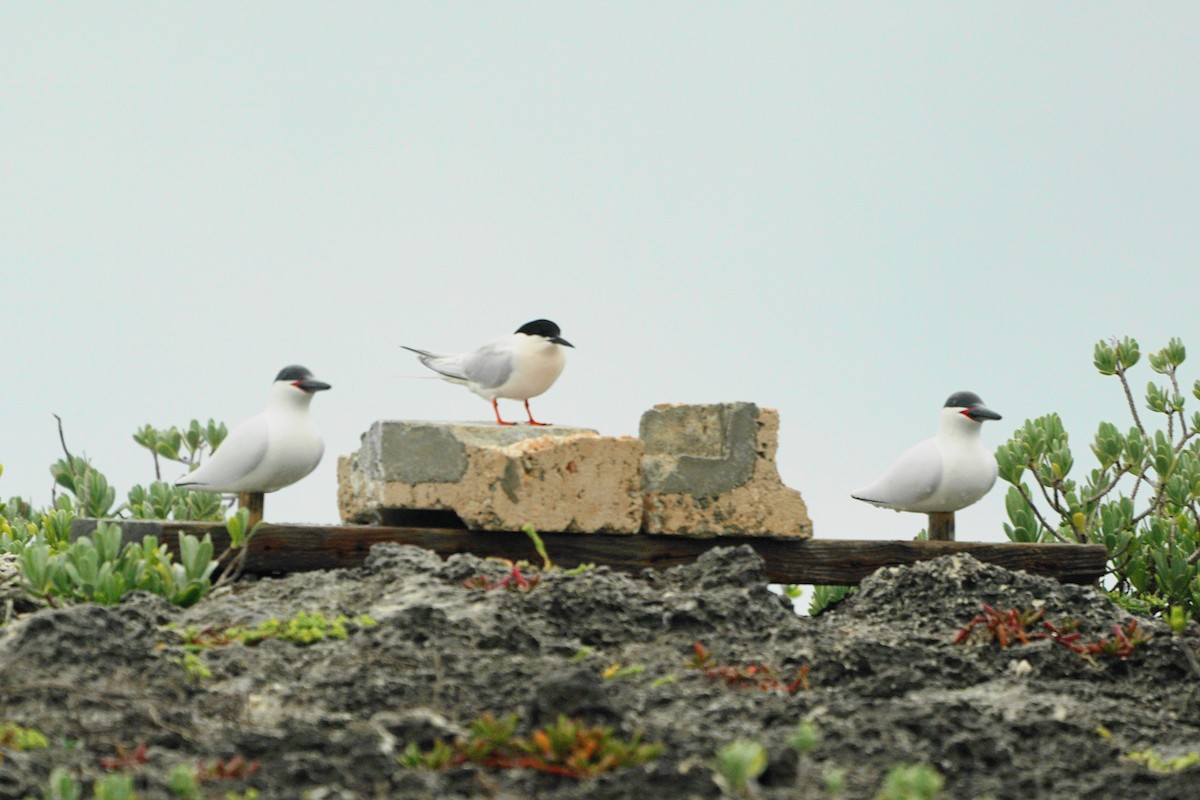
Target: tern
[
  {"x": 943, "y": 474},
  {"x": 515, "y": 367},
  {"x": 271, "y": 450}
]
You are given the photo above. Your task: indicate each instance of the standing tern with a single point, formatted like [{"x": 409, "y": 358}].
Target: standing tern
[
  {"x": 943, "y": 474},
  {"x": 515, "y": 367},
  {"x": 271, "y": 450}
]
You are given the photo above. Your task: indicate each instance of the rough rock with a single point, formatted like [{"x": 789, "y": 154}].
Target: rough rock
[
  {"x": 492, "y": 478},
  {"x": 329, "y": 720},
  {"x": 710, "y": 470}
]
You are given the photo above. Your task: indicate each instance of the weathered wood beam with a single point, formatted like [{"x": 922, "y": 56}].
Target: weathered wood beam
[{"x": 298, "y": 548}]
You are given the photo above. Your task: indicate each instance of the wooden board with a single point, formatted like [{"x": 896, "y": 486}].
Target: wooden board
[{"x": 297, "y": 548}]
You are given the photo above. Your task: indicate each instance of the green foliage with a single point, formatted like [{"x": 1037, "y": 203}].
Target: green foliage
[
  {"x": 805, "y": 737},
  {"x": 911, "y": 782},
  {"x": 14, "y": 737},
  {"x": 114, "y": 787},
  {"x": 825, "y": 597},
  {"x": 161, "y": 500},
  {"x": 303, "y": 629},
  {"x": 567, "y": 748},
  {"x": 1161, "y": 764},
  {"x": 183, "y": 783},
  {"x": 835, "y": 781},
  {"x": 87, "y": 492},
  {"x": 618, "y": 670},
  {"x": 195, "y": 439},
  {"x": 61, "y": 786},
  {"x": 1142, "y": 502},
  {"x": 194, "y": 667},
  {"x": 22, "y": 525},
  {"x": 97, "y": 569},
  {"x": 538, "y": 545},
  {"x": 738, "y": 765}
]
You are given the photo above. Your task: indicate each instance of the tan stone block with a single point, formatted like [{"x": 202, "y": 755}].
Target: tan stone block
[
  {"x": 493, "y": 478},
  {"x": 710, "y": 470}
]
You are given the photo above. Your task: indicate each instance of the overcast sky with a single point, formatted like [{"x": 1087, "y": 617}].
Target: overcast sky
[{"x": 843, "y": 211}]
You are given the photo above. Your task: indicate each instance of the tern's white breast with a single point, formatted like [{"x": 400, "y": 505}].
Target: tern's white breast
[
  {"x": 294, "y": 448},
  {"x": 537, "y": 363},
  {"x": 968, "y": 473}
]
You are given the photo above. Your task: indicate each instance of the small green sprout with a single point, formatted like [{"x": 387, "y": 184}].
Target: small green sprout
[
  {"x": 737, "y": 767},
  {"x": 538, "y": 545},
  {"x": 15, "y": 737},
  {"x": 183, "y": 783},
  {"x": 911, "y": 782},
  {"x": 835, "y": 781},
  {"x": 115, "y": 787},
  {"x": 805, "y": 737},
  {"x": 62, "y": 786},
  {"x": 194, "y": 667},
  {"x": 618, "y": 670}
]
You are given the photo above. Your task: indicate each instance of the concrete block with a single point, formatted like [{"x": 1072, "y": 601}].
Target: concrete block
[
  {"x": 710, "y": 470},
  {"x": 492, "y": 477}
]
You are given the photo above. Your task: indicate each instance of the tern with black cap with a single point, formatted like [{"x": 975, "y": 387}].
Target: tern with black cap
[
  {"x": 271, "y": 450},
  {"x": 943, "y": 474},
  {"x": 516, "y": 367}
]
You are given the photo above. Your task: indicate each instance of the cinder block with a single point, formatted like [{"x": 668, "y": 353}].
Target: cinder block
[
  {"x": 710, "y": 470},
  {"x": 493, "y": 477}
]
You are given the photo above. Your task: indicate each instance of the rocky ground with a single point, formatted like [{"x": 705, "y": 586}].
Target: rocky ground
[{"x": 329, "y": 720}]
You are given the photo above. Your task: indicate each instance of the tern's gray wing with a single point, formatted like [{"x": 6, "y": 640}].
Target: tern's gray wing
[
  {"x": 913, "y": 477},
  {"x": 243, "y": 450},
  {"x": 489, "y": 366}
]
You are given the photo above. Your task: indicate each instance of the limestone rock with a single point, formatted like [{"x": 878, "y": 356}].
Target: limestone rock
[
  {"x": 710, "y": 470},
  {"x": 492, "y": 477}
]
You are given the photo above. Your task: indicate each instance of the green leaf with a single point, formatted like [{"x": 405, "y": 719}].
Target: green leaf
[
  {"x": 1127, "y": 352},
  {"x": 1105, "y": 358}
]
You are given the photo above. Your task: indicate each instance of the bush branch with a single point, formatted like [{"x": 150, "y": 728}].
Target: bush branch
[
  {"x": 1038, "y": 514},
  {"x": 1129, "y": 397}
]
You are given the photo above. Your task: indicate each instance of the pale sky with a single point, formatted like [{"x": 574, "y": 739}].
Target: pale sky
[{"x": 843, "y": 211}]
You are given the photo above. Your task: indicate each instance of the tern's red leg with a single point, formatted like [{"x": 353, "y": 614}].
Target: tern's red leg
[
  {"x": 533, "y": 421},
  {"x": 496, "y": 409}
]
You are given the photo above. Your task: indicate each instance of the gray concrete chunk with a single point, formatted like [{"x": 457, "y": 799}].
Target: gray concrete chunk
[
  {"x": 709, "y": 470},
  {"x": 704, "y": 450}
]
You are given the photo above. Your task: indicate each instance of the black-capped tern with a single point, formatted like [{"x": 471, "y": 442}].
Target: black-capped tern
[
  {"x": 943, "y": 474},
  {"x": 271, "y": 450},
  {"x": 516, "y": 367}
]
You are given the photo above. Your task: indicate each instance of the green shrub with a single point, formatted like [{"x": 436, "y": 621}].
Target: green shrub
[
  {"x": 1143, "y": 500},
  {"x": 737, "y": 767},
  {"x": 911, "y": 782},
  {"x": 98, "y": 569}
]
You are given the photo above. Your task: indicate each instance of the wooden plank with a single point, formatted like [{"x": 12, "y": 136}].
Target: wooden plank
[{"x": 297, "y": 548}]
